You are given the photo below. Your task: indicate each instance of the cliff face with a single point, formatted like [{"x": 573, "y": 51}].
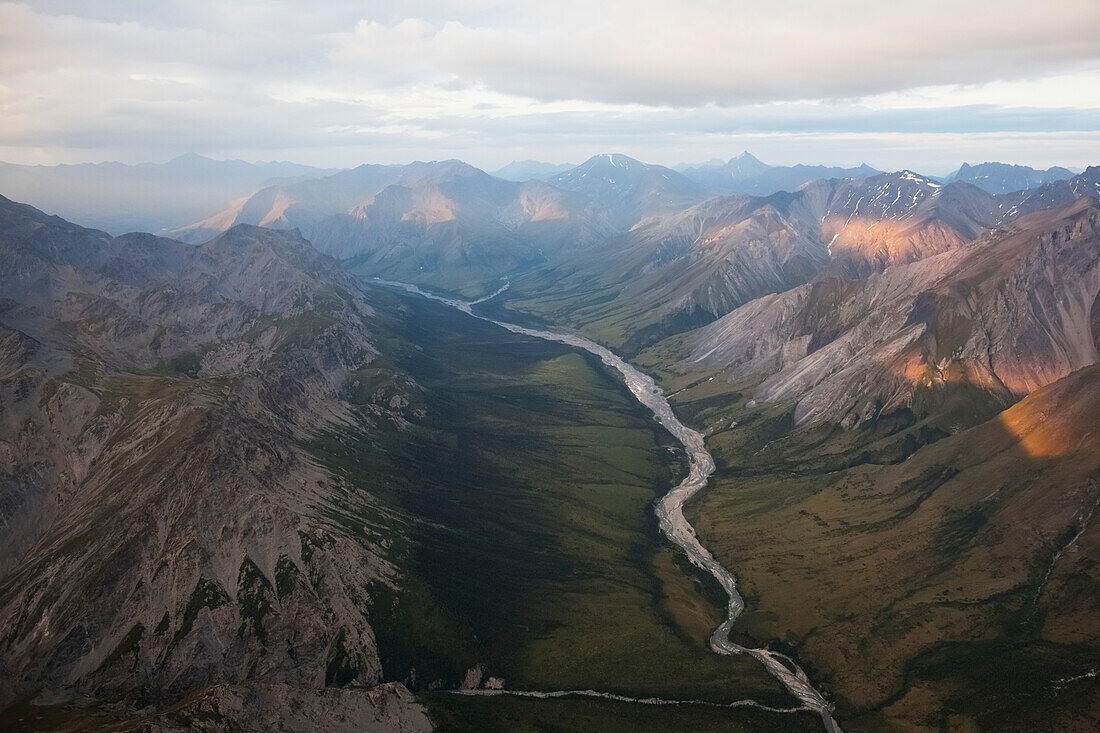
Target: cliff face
[
  {"x": 1008, "y": 313},
  {"x": 165, "y": 522}
]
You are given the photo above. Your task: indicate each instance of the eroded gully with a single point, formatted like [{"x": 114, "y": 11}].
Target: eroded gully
[{"x": 669, "y": 510}]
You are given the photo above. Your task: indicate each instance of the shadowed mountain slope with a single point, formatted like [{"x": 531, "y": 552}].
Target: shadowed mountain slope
[{"x": 162, "y": 516}]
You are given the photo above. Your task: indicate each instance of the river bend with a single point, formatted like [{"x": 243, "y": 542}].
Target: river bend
[{"x": 670, "y": 507}]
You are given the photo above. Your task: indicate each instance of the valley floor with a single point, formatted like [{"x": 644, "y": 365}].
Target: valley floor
[{"x": 532, "y": 554}]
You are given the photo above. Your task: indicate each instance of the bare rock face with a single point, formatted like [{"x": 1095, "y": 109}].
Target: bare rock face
[
  {"x": 166, "y": 524},
  {"x": 1008, "y": 314}
]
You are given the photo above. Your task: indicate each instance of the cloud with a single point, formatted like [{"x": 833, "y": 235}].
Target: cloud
[
  {"x": 484, "y": 79},
  {"x": 733, "y": 53}
]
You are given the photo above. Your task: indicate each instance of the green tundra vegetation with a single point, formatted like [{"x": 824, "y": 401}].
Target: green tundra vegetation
[
  {"x": 527, "y": 544},
  {"x": 912, "y": 563}
]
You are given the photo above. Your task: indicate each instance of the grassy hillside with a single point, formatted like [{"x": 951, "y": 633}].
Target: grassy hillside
[{"x": 931, "y": 577}]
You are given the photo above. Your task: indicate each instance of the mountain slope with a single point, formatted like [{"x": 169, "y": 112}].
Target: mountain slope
[
  {"x": 956, "y": 588},
  {"x": 628, "y": 189},
  {"x": 445, "y": 223},
  {"x": 1051, "y": 195},
  {"x": 909, "y": 473},
  {"x": 164, "y": 519},
  {"x": 897, "y": 217},
  {"x": 1006, "y": 315},
  {"x": 688, "y": 268}
]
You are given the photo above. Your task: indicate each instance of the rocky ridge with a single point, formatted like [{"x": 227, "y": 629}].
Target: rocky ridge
[{"x": 168, "y": 527}]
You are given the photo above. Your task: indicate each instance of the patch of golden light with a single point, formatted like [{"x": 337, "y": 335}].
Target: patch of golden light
[
  {"x": 540, "y": 207},
  {"x": 278, "y": 209},
  {"x": 914, "y": 370},
  {"x": 435, "y": 209},
  {"x": 1037, "y": 435},
  {"x": 891, "y": 240},
  {"x": 852, "y": 231}
]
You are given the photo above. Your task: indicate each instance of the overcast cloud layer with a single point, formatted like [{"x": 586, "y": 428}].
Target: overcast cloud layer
[{"x": 338, "y": 83}]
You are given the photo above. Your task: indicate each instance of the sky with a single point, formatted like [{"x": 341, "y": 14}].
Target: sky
[{"x": 336, "y": 83}]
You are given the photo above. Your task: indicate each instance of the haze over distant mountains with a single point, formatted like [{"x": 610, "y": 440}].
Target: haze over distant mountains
[
  {"x": 1005, "y": 178},
  {"x": 383, "y": 213},
  {"x": 159, "y": 197},
  {"x": 746, "y": 174},
  {"x": 443, "y": 218},
  {"x": 527, "y": 170},
  {"x": 120, "y": 198},
  {"x": 629, "y": 189}
]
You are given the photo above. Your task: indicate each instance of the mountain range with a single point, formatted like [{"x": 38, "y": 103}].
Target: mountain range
[
  {"x": 747, "y": 174},
  {"x": 446, "y": 220},
  {"x": 697, "y": 264},
  {"x": 239, "y": 474},
  {"x": 1007, "y": 314},
  {"x": 1004, "y": 178},
  {"x": 145, "y": 378},
  {"x": 929, "y": 428}
]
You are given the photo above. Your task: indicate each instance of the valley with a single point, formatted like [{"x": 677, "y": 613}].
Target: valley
[
  {"x": 861, "y": 412},
  {"x": 549, "y": 367},
  {"x": 518, "y": 558},
  {"x": 669, "y": 508}
]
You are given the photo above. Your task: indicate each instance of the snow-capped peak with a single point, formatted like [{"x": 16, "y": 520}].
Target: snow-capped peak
[{"x": 908, "y": 175}]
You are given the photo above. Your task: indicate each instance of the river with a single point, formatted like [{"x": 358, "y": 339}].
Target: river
[{"x": 670, "y": 507}]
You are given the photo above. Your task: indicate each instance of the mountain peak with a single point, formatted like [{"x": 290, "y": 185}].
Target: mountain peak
[
  {"x": 746, "y": 157},
  {"x": 189, "y": 159},
  {"x": 908, "y": 175},
  {"x": 615, "y": 160}
]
